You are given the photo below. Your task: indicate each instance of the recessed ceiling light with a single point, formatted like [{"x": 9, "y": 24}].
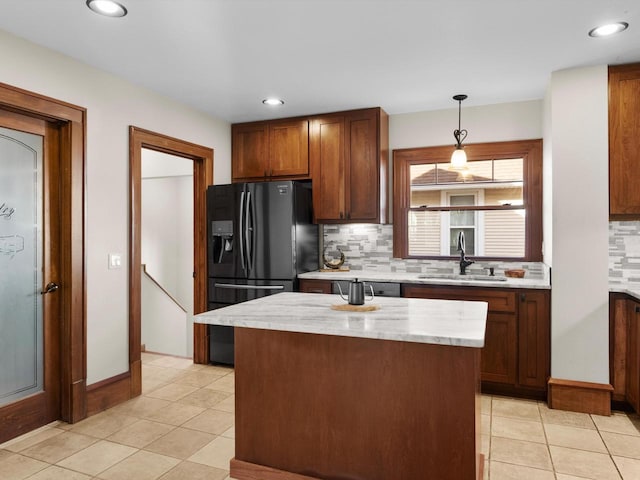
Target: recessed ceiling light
[
  {"x": 273, "y": 101},
  {"x": 608, "y": 29},
  {"x": 108, "y": 8}
]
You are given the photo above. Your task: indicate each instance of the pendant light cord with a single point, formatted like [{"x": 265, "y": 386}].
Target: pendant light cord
[{"x": 459, "y": 134}]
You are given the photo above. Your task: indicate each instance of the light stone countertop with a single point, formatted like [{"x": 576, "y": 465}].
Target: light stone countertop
[
  {"x": 632, "y": 291},
  {"x": 443, "y": 322},
  {"x": 405, "y": 277}
]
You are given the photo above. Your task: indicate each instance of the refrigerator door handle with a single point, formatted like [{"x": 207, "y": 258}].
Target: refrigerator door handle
[
  {"x": 249, "y": 232},
  {"x": 248, "y": 287},
  {"x": 241, "y": 232}
]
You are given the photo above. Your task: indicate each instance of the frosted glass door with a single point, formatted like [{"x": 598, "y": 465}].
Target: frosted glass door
[{"x": 21, "y": 315}]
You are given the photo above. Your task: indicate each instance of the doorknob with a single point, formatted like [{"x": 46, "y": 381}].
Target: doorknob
[{"x": 50, "y": 288}]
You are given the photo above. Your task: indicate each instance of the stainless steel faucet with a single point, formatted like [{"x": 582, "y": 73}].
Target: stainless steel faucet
[{"x": 464, "y": 261}]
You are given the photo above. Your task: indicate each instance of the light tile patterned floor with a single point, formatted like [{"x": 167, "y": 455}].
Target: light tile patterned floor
[{"x": 182, "y": 427}]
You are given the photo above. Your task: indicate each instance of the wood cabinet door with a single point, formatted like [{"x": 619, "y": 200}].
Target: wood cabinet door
[
  {"x": 533, "y": 339},
  {"x": 624, "y": 141},
  {"x": 362, "y": 166},
  {"x": 498, "y": 357},
  {"x": 327, "y": 152},
  {"x": 315, "y": 286},
  {"x": 618, "y": 328},
  {"x": 633, "y": 355},
  {"x": 250, "y": 150},
  {"x": 289, "y": 148}
]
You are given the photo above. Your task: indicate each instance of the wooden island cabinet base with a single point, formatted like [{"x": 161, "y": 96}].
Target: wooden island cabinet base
[{"x": 312, "y": 406}]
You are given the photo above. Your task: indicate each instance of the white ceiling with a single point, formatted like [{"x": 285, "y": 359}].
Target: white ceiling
[{"x": 225, "y": 56}]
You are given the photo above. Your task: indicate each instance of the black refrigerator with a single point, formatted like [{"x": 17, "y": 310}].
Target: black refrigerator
[{"x": 260, "y": 237}]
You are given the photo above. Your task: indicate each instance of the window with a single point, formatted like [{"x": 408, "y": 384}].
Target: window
[{"x": 496, "y": 200}]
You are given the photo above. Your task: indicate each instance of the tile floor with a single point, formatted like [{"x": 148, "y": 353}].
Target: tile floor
[{"x": 182, "y": 427}]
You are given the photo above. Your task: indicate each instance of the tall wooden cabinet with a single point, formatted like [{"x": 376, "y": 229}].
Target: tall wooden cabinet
[
  {"x": 349, "y": 158},
  {"x": 272, "y": 149},
  {"x": 624, "y": 141}
]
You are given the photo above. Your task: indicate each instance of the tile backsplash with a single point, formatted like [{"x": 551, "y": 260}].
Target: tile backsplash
[
  {"x": 370, "y": 247},
  {"x": 624, "y": 252}
]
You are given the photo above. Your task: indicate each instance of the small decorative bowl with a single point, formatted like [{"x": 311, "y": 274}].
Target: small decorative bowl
[{"x": 515, "y": 273}]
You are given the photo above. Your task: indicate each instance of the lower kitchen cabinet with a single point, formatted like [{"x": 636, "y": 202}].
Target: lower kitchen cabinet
[
  {"x": 633, "y": 355},
  {"x": 624, "y": 351},
  {"x": 498, "y": 358},
  {"x": 516, "y": 357},
  {"x": 534, "y": 333}
]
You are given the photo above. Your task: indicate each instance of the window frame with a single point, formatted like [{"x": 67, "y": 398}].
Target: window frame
[{"x": 531, "y": 153}]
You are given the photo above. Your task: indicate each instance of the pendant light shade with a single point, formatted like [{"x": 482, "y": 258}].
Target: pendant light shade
[{"x": 459, "y": 157}]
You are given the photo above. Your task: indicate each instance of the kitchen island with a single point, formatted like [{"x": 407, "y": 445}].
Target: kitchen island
[{"x": 379, "y": 395}]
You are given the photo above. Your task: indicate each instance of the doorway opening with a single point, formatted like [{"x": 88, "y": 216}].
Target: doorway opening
[
  {"x": 167, "y": 254},
  {"x": 202, "y": 162}
]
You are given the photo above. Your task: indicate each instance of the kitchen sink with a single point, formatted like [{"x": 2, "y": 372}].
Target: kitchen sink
[{"x": 454, "y": 276}]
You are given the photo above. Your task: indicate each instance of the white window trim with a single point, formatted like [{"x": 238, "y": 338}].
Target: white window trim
[{"x": 445, "y": 226}]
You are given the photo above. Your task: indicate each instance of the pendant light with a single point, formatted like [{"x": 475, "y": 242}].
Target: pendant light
[{"x": 459, "y": 157}]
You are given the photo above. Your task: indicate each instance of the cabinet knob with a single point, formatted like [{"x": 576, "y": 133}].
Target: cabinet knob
[
  {"x": 341, "y": 215},
  {"x": 523, "y": 297},
  {"x": 637, "y": 308},
  {"x": 349, "y": 215},
  {"x": 265, "y": 173}
]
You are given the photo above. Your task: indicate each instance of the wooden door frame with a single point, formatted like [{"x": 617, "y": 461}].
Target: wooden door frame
[
  {"x": 71, "y": 120},
  {"x": 202, "y": 177}
]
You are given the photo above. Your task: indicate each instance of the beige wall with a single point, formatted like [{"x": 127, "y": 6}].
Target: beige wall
[
  {"x": 112, "y": 105},
  {"x": 580, "y": 221}
]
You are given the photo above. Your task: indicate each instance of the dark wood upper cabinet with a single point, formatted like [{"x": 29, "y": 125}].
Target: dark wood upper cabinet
[
  {"x": 250, "y": 149},
  {"x": 349, "y": 157},
  {"x": 272, "y": 149},
  {"x": 328, "y": 163},
  {"x": 344, "y": 153},
  {"x": 624, "y": 141},
  {"x": 289, "y": 148}
]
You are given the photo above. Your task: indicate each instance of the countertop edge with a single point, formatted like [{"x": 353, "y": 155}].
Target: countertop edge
[
  {"x": 413, "y": 338},
  {"x": 411, "y": 278},
  {"x": 635, "y": 293}
]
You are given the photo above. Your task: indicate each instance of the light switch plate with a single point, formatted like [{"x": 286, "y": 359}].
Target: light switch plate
[{"x": 115, "y": 261}]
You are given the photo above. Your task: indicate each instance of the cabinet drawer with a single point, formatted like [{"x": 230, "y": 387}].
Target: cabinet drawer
[
  {"x": 315, "y": 286},
  {"x": 498, "y": 300}
]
